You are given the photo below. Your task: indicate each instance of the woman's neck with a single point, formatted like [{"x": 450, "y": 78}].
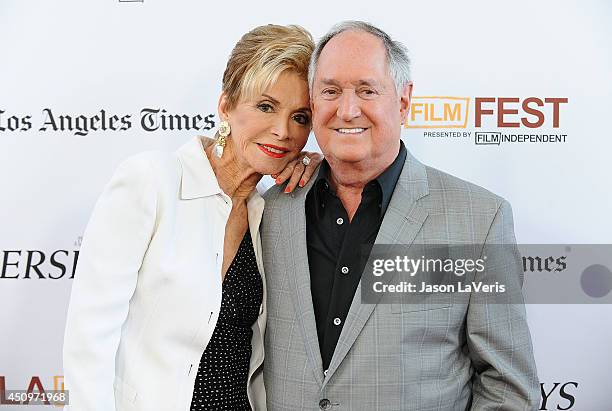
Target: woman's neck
[{"x": 235, "y": 179}]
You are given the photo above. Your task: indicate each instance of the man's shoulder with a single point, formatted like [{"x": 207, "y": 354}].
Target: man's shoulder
[
  {"x": 455, "y": 193},
  {"x": 272, "y": 194},
  {"x": 276, "y": 197}
]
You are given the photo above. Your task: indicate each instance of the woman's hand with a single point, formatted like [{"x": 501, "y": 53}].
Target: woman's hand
[{"x": 297, "y": 172}]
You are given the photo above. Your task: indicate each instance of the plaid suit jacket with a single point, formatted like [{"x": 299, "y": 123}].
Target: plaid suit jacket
[{"x": 456, "y": 356}]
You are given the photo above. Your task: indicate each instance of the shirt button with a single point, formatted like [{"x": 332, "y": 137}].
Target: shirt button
[
  {"x": 325, "y": 404},
  {"x": 337, "y": 321},
  {"x": 345, "y": 270},
  {"x": 340, "y": 221},
  {"x": 325, "y": 372}
]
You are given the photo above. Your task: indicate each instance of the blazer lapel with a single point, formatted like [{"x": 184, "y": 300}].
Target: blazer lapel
[
  {"x": 296, "y": 256},
  {"x": 402, "y": 221}
]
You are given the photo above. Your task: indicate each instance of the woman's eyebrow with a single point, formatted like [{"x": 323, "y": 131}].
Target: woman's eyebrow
[
  {"x": 275, "y": 101},
  {"x": 269, "y": 97}
]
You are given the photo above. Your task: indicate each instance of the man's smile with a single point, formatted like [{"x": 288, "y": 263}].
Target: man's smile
[{"x": 355, "y": 130}]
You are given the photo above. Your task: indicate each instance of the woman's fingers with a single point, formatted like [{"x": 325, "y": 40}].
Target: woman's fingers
[
  {"x": 298, "y": 172},
  {"x": 315, "y": 160},
  {"x": 287, "y": 172}
]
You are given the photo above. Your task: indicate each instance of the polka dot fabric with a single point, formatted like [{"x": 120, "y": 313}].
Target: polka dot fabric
[{"x": 221, "y": 382}]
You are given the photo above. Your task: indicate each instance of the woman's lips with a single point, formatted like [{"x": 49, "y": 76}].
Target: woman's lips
[{"x": 273, "y": 151}]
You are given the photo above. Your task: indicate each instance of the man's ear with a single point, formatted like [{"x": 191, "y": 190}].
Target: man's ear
[
  {"x": 222, "y": 107},
  {"x": 405, "y": 99}
]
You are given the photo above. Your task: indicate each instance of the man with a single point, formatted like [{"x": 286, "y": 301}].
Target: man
[{"x": 325, "y": 347}]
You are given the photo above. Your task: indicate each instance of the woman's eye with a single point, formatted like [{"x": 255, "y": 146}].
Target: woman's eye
[
  {"x": 302, "y": 119},
  {"x": 265, "y": 107}
]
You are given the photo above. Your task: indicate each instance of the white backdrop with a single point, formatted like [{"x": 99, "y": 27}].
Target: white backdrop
[{"x": 78, "y": 58}]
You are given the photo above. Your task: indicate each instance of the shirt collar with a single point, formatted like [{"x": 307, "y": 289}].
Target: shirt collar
[
  {"x": 387, "y": 180},
  {"x": 197, "y": 176}
]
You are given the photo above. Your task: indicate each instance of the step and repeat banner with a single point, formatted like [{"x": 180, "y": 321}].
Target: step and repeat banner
[{"x": 513, "y": 96}]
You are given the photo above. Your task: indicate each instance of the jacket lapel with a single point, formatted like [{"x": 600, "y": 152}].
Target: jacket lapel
[
  {"x": 296, "y": 256},
  {"x": 402, "y": 221}
]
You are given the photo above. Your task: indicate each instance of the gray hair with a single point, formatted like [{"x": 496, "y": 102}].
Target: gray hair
[{"x": 397, "y": 53}]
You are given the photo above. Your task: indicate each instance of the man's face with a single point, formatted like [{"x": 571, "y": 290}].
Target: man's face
[{"x": 357, "y": 112}]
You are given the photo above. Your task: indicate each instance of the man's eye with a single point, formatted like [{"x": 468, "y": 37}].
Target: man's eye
[
  {"x": 329, "y": 92},
  {"x": 265, "y": 107},
  {"x": 302, "y": 119},
  {"x": 368, "y": 92}
]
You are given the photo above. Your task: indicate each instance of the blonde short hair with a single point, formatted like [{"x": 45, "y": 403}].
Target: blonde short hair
[{"x": 261, "y": 55}]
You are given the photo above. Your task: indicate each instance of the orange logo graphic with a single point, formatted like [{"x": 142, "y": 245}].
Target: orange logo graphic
[{"x": 438, "y": 112}]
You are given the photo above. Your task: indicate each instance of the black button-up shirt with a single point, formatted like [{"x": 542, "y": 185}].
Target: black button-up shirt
[{"x": 338, "y": 249}]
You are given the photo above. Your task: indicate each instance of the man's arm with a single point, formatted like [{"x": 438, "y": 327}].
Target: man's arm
[{"x": 497, "y": 333}]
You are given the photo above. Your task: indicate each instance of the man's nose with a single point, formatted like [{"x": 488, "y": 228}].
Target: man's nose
[{"x": 348, "y": 106}]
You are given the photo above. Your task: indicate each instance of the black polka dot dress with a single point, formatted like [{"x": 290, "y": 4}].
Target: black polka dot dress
[{"x": 221, "y": 382}]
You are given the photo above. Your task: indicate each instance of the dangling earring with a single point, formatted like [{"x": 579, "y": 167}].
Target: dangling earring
[{"x": 224, "y": 131}]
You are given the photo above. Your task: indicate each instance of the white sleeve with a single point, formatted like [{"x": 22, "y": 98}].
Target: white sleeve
[{"x": 112, "y": 251}]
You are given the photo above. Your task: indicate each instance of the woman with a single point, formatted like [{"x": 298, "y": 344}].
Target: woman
[{"x": 167, "y": 310}]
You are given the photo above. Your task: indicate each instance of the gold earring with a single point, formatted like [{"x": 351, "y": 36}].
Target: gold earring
[{"x": 224, "y": 131}]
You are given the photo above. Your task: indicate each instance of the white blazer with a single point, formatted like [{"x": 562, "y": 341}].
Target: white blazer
[{"x": 147, "y": 292}]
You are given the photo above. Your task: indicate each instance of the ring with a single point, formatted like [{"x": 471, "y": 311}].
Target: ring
[{"x": 306, "y": 160}]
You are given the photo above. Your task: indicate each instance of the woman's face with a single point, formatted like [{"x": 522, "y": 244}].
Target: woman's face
[{"x": 270, "y": 130}]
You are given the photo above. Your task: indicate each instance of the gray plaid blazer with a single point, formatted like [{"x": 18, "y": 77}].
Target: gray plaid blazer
[{"x": 398, "y": 356}]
